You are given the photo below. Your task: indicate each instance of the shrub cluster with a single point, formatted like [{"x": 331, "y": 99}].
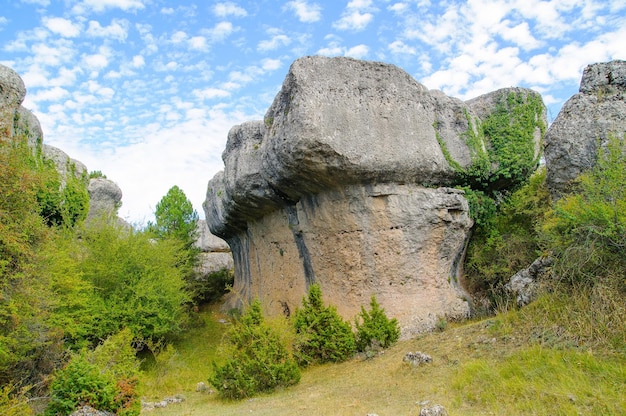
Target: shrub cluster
[{"x": 257, "y": 360}]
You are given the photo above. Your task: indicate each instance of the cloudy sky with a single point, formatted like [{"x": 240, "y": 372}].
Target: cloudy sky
[{"x": 146, "y": 90}]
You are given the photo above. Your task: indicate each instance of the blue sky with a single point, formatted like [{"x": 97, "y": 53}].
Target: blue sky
[{"x": 146, "y": 90}]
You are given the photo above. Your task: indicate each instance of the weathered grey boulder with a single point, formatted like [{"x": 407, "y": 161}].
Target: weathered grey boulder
[
  {"x": 104, "y": 198},
  {"x": 64, "y": 164},
  {"x": 12, "y": 93},
  {"x": 27, "y": 124},
  {"x": 346, "y": 183},
  {"x": 585, "y": 122},
  {"x": 523, "y": 285},
  {"x": 214, "y": 254}
]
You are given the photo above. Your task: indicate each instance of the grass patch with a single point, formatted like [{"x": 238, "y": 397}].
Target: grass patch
[
  {"x": 539, "y": 380},
  {"x": 518, "y": 362}
]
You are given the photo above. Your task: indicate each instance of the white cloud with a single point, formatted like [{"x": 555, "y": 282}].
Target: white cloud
[
  {"x": 210, "y": 93},
  {"x": 353, "y": 21},
  {"x": 356, "y": 17},
  {"x": 229, "y": 9},
  {"x": 138, "y": 61},
  {"x": 306, "y": 13},
  {"x": 52, "y": 94},
  {"x": 179, "y": 37},
  {"x": 102, "y": 5},
  {"x": 98, "y": 61},
  {"x": 61, "y": 26},
  {"x": 358, "y": 52},
  {"x": 521, "y": 35},
  {"x": 220, "y": 31},
  {"x": 334, "y": 49},
  {"x": 270, "y": 64},
  {"x": 399, "y": 47},
  {"x": 198, "y": 43},
  {"x": 53, "y": 53},
  {"x": 118, "y": 29},
  {"x": 278, "y": 39}
]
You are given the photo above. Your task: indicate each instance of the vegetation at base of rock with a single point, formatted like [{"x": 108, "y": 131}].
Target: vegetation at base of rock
[
  {"x": 321, "y": 335},
  {"x": 105, "y": 379},
  {"x": 506, "y": 237},
  {"x": 586, "y": 231},
  {"x": 257, "y": 361},
  {"x": 374, "y": 327}
]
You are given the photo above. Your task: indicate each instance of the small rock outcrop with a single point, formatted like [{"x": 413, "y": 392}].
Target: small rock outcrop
[
  {"x": 105, "y": 197},
  {"x": 347, "y": 183},
  {"x": 214, "y": 252},
  {"x": 523, "y": 285},
  {"x": 585, "y": 122}
]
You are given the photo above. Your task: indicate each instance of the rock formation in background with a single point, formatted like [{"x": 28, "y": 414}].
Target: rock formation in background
[
  {"x": 347, "y": 183},
  {"x": 15, "y": 120},
  {"x": 585, "y": 122},
  {"x": 214, "y": 252}
]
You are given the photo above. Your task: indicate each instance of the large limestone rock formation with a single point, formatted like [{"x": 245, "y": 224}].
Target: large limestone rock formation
[
  {"x": 585, "y": 122},
  {"x": 346, "y": 182}
]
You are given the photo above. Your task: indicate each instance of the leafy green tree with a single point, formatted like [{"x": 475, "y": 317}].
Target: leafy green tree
[
  {"x": 374, "y": 326},
  {"x": 321, "y": 334},
  {"x": 175, "y": 217},
  {"x": 257, "y": 360}
]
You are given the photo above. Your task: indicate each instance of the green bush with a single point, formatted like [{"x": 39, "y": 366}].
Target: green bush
[
  {"x": 321, "y": 334},
  {"x": 81, "y": 382},
  {"x": 375, "y": 328},
  {"x": 257, "y": 361},
  {"x": 587, "y": 229},
  {"x": 105, "y": 379}
]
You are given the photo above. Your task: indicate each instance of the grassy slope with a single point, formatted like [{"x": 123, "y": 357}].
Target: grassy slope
[{"x": 510, "y": 364}]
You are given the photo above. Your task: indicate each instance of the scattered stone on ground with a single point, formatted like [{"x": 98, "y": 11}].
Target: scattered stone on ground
[
  {"x": 163, "y": 403},
  {"x": 436, "y": 410},
  {"x": 89, "y": 411},
  {"x": 417, "y": 358},
  {"x": 201, "y": 387}
]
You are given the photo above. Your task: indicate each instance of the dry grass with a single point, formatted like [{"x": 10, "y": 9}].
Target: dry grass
[{"x": 494, "y": 366}]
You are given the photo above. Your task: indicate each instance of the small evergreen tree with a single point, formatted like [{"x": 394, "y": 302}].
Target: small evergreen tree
[
  {"x": 375, "y": 327},
  {"x": 257, "y": 360},
  {"x": 321, "y": 334},
  {"x": 175, "y": 217}
]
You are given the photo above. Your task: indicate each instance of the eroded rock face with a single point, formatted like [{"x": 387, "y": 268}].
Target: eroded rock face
[
  {"x": 585, "y": 122},
  {"x": 346, "y": 183},
  {"x": 12, "y": 93}
]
